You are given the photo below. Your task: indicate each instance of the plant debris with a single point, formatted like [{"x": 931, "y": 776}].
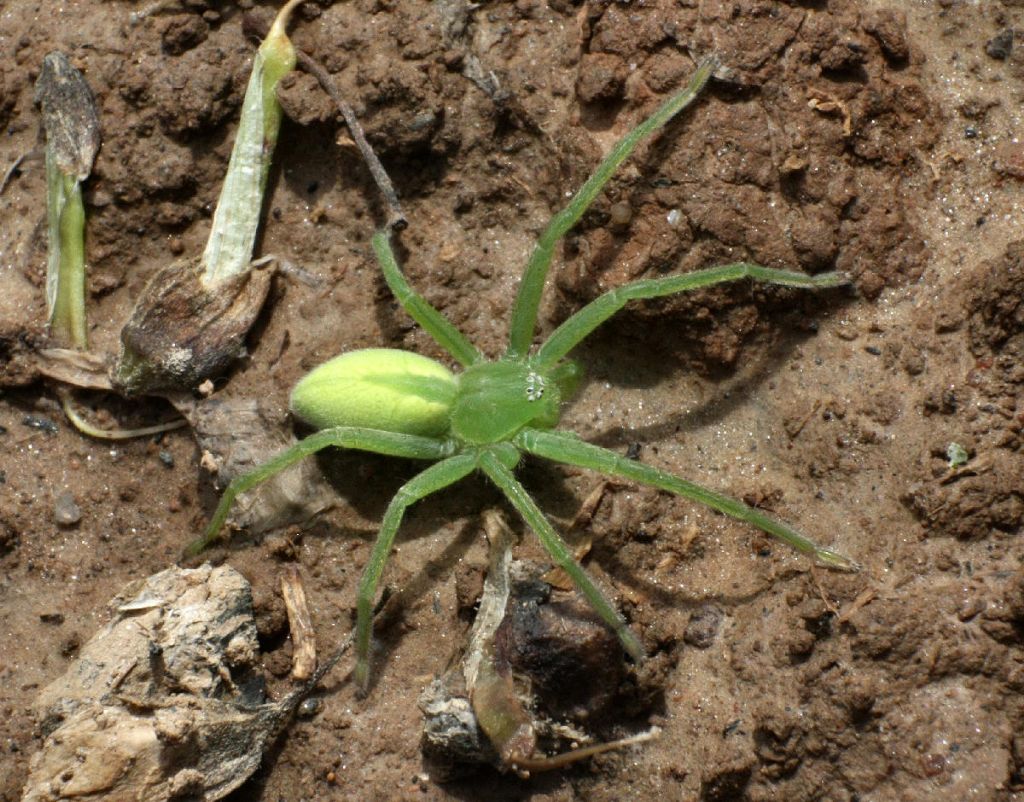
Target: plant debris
[
  {"x": 166, "y": 701},
  {"x": 191, "y": 320},
  {"x": 532, "y": 671},
  {"x": 72, "y": 141}
]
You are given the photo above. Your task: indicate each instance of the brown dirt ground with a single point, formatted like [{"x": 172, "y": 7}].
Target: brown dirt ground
[{"x": 876, "y": 137}]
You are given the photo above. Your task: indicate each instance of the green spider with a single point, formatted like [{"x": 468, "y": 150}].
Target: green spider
[{"x": 484, "y": 418}]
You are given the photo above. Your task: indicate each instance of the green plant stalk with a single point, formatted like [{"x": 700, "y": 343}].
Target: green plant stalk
[
  {"x": 65, "y": 269},
  {"x": 237, "y": 217}
]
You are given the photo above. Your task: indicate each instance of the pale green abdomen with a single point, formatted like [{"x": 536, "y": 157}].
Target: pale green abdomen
[{"x": 378, "y": 388}]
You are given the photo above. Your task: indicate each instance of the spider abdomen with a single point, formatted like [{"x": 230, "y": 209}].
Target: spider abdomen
[{"x": 378, "y": 388}]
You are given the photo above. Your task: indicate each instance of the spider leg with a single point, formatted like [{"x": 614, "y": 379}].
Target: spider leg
[
  {"x": 574, "y": 330},
  {"x": 524, "y": 313},
  {"x": 433, "y": 322},
  {"x": 502, "y": 476},
  {"x": 569, "y": 449},
  {"x": 390, "y": 443},
  {"x": 434, "y": 478}
]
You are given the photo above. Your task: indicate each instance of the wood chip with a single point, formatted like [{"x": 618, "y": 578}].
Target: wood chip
[{"x": 300, "y": 623}]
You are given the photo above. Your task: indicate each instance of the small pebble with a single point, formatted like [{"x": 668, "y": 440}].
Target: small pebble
[
  {"x": 309, "y": 707},
  {"x": 167, "y": 458},
  {"x": 621, "y": 214},
  {"x": 66, "y": 511},
  {"x": 702, "y": 628}
]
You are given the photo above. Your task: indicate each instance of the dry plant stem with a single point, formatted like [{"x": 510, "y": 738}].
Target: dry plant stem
[
  {"x": 396, "y": 217},
  {"x": 237, "y": 217},
  {"x": 86, "y": 428},
  {"x": 560, "y": 761}
]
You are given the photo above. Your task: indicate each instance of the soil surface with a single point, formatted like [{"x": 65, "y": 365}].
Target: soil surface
[{"x": 875, "y": 137}]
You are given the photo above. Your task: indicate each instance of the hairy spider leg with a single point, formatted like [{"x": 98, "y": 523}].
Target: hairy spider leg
[
  {"x": 574, "y": 330},
  {"x": 433, "y": 322},
  {"x": 568, "y": 449},
  {"x": 376, "y": 440},
  {"x": 502, "y": 476},
  {"x": 524, "y": 312},
  {"x": 436, "y": 477}
]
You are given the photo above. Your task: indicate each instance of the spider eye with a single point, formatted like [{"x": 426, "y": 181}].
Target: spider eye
[{"x": 534, "y": 386}]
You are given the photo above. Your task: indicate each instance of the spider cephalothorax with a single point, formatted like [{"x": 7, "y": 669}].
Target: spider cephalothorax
[{"x": 491, "y": 412}]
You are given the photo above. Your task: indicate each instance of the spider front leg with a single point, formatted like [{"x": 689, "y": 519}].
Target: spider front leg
[
  {"x": 502, "y": 476},
  {"x": 381, "y": 442},
  {"x": 524, "y": 313},
  {"x": 574, "y": 330},
  {"x": 436, "y": 477},
  {"x": 565, "y": 448}
]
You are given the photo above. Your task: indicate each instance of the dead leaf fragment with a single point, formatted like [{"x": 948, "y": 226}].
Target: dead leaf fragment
[{"x": 69, "y": 115}]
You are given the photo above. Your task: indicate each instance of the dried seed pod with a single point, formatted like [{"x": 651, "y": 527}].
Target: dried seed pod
[{"x": 182, "y": 332}]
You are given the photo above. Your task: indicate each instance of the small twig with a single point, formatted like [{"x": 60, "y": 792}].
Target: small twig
[
  {"x": 153, "y": 8},
  {"x": 829, "y": 604},
  {"x": 396, "y": 217},
  {"x": 289, "y": 269},
  {"x": 300, "y": 623},
  {"x": 10, "y": 172},
  {"x": 864, "y": 598},
  {"x": 290, "y": 703}
]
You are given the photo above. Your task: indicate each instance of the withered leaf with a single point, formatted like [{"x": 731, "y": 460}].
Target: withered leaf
[{"x": 69, "y": 115}]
